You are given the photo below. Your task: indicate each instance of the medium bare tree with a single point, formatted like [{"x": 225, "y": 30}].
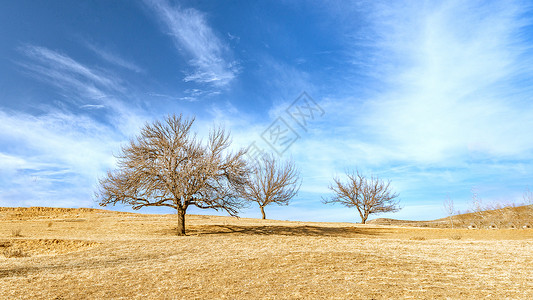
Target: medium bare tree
[
  {"x": 166, "y": 165},
  {"x": 368, "y": 195},
  {"x": 272, "y": 181}
]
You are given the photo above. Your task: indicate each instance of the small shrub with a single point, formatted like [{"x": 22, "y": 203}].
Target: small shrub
[
  {"x": 456, "y": 237},
  {"x": 50, "y": 224},
  {"x": 418, "y": 238},
  {"x": 16, "y": 232}
]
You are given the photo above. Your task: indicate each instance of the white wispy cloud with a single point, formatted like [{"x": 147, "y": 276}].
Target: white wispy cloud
[
  {"x": 450, "y": 84},
  {"x": 454, "y": 95},
  {"x": 93, "y": 106},
  {"x": 67, "y": 74},
  {"x": 191, "y": 95},
  {"x": 96, "y": 88},
  {"x": 209, "y": 56},
  {"x": 57, "y": 158},
  {"x": 12, "y": 162},
  {"x": 59, "y": 137},
  {"x": 113, "y": 58}
]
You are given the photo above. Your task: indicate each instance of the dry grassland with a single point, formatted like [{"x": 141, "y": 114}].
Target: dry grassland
[{"x": 95, "y": 254}]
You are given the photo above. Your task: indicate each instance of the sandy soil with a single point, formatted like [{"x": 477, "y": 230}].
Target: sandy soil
[{"x": 95, "y": 254}]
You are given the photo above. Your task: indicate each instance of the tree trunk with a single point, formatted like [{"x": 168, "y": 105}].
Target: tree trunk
[
  {"x": 263, "y": 212},
  {"x": 362, "y": 215},
  {"x": 181, "y": 221},
  {"x": 363, "y": 219}
]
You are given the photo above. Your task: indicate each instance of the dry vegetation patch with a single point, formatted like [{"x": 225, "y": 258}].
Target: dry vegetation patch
[{"x": 32, "y": 247}]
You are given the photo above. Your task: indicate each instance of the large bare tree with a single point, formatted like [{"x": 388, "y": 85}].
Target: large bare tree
[
  {"x": 272, "y": 181},
  {"x": 369, "y": 195},
  {"x": 167, "y": 165}
]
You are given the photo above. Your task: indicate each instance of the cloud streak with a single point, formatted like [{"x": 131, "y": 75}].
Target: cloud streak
[
  {"x": 94, "y": 88},
  {"x": 68, "y": 75},
  {"x": 113, "y": 58},
  {"x": 189, "y": 31},
  {"x": 56, "y": 161}
]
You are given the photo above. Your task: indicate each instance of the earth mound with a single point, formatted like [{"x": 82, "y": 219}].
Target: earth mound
[
  {"x": 503, "y": 218},
  {"x": 29, "y": 213}
]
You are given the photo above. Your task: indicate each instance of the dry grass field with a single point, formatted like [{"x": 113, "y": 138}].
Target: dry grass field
[{"x": 82, "y": 253}]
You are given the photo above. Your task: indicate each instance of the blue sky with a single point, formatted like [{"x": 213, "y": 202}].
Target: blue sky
[{"x": 434, "y": 95}]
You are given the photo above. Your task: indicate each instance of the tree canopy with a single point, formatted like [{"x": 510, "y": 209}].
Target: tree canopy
[
  {"x": 168, "y": 165},
  {"x": 369, "y": 195},
  {"x": 272, "y": 181}
]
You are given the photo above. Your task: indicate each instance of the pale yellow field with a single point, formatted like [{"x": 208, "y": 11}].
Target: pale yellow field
[{"x": 77, "y": 254}]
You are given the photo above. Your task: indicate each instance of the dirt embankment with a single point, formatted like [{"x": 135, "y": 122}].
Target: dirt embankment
[{"x": 520, "y": 217}]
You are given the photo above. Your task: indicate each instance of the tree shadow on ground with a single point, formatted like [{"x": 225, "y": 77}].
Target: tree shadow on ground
[{"x": 280, "y": 230}]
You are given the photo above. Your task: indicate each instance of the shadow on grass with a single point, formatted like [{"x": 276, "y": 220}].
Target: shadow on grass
[{"x": 279, "y": 230}]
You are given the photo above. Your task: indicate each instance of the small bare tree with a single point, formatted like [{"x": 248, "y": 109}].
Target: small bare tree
[
  {"x": 272, "y": 181},
  {"x": 479, "y": 211},
  {"x": 449, "y": 208},
  {"x": 368, "y": 195},
  {"x": 528, "y": 201},
  {"x": 166, "y": 165}
]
